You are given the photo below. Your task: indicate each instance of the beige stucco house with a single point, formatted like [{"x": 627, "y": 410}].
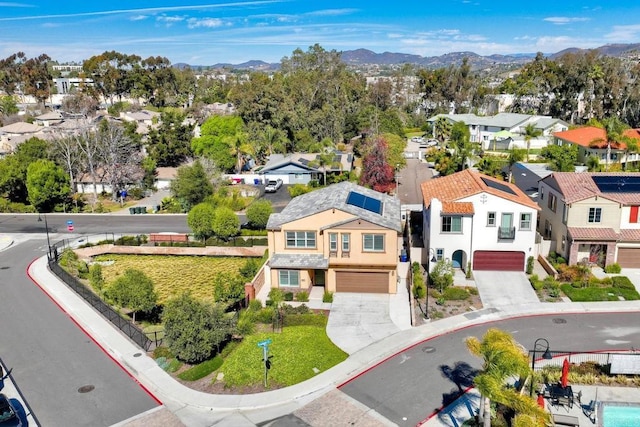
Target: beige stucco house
[
  {"x": 344, "y": 237},
  {"x": 592, "y": 217}
]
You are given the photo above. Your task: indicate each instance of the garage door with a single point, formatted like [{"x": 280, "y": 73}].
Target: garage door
[
  {"x": 498, "y": 260},
  {"x": 362, "y": 281},
  {"x": 629, "y": 257}
]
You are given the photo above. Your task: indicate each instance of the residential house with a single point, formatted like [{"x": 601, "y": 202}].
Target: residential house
[
  {"x": 592, "y": 141},
  {"x": 302, "y": 168},
  {"x": 144, "y": 119},
  {"x": 508, "y": 127},
  {"x": 15, "y": 134},
  {"x": 52, "y": 118},
  {"x": 344, "y": 237},
  {"x": 592, "y": 217},
  {"x": 474, "y": 219}
]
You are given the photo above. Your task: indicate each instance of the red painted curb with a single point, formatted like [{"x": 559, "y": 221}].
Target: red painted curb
[{"x": 89, "y": 335}]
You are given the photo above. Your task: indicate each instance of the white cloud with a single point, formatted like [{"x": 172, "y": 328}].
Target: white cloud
[
  {"x": 624, "y": 33},
  {"x": 138, "y": 18},
  {"x": 332, "y": 12},
  {"x": 562, "y": 20},
  {"x": 206, "y": 23},
  {"x": 170, "y": 20}
]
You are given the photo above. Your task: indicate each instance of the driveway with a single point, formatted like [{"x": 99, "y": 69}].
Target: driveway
[
  {"x": 358, "y": 320},
  {"x": 502, "y": 288}
]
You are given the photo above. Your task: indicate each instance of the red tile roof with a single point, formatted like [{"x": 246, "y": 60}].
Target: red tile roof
[
  {"x": 580, "y": 186},
  {"x": 629, "y": 235},
  {"x": 459, "y": 185},
  {"x": 593, "y": 137},
  {"x": 460, "y": 208},
  {"x": 589, "y": 233}
]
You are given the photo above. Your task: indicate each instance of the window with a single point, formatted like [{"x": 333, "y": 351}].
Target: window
[
  {"x": 452, "y": 224},
  {"x": 553, "y": 201},
  {"x": 633, "y": 215},
  {"x": 346, "y": 242},
  {"x": 439, "y": 254},
  {"x": 541, "y": 193},
  {"x": 289, "y": 278},
  {"x": 301, "y": 239},
  {"x": 525, "y": 221},
  {"x": 564, "y": 242},
  {"x": 491, "y": 219},
  {"x": 373, "y": 242},
  {"x": 333, "y": 242},
  {"x": 547, "y": 229},
  {"x": 595, "y": 214},
  {"x": 565, "y": 213}
]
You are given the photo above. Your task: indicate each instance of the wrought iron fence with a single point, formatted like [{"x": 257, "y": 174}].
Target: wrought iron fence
[{"x": 600, "y": 358}]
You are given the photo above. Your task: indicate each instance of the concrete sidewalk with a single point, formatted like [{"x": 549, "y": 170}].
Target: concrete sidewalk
[{"x": 195, "y": 408}]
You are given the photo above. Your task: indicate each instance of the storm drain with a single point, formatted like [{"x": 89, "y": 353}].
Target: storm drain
[
  {"x": 559, "y": 320},
  {"x": 86, "y": 388}
]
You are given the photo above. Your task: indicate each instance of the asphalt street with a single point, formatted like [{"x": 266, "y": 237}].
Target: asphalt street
[
  {"x": 410, "y": 386},
  {"x": 65, "y": 377}
]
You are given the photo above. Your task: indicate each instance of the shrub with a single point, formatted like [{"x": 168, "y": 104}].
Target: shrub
[
  {"x": 95, "y": 277},
  {"x": 613, "y": 268},
  {"x": 467, "y": 274},
  {"x": 201, "y": 370},
  {"x": 415, "y": 268},
  {"x": 530, "y": 262},
  {"x": 455, "y": 293},
  {"x": 131, "y": 240},
  {"x": 622, "y": 282},
  {"x": 442, "y": 275},
  {"x": 255, "y": 305},
  {"x": 289, "y": 309},
  {"x": 162, "y": 352},
  {"x": 266, "y": 314},
  {"x": 288, "y": 296},
  {"x": 306, "y": 319},
  {"x": 246, "y": 323},
  {"x": 298, "y": 189},
  {"x": 419, "y": 289},
  {"x": 302, "y": 296},
  {"x": 327, "y": 296}
]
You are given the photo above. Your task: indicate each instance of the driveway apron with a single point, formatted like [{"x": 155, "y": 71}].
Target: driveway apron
[
  {"x": 358, "y": 320},
  {"x": 503, "y": 288}
]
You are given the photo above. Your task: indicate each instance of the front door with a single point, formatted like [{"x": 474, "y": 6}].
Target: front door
[
  {"x": 318, "y": 278},
  {"x": 456, "y": 259}
]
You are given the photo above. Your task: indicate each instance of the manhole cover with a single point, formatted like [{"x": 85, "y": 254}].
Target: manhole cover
[
  {"x": 559, "y": 321},
  {"x": 86, "y": 388},
  {"x": 428, "y": 349},
  {"x": 137, "y": 355}
]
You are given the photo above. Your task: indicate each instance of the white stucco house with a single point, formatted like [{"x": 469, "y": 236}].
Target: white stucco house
[{"x": 472, "y": 219}]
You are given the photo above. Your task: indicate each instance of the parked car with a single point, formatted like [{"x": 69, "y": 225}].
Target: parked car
[
  {"x": 7, "y": 411},
  {"x": 273, "y": 186}
]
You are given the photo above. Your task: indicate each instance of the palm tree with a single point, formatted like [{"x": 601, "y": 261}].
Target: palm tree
[
  {"x": 530, "y": 132},
  {"x": 442, "y": 128},
  {"x": 503, "y": 359},
  {"x": 616, "y": 138},
  {"x": 515, "y": 155},
  {"x": 324, "y": 160}
]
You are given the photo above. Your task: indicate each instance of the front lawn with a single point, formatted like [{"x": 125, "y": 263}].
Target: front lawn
[{"x": 610, "y": 293}]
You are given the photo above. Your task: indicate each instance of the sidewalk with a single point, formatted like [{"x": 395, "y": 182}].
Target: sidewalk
[{"x": 196, "y": 408}]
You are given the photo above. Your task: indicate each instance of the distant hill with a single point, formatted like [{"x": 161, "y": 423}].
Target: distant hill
[{"x": 365, "y": 57}]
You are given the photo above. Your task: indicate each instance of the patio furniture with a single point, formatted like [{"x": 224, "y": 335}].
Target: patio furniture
[
  {"x": 561, "y": 396},
  {"x": 590, "y": 411},
  {"x": 565, "y": 420}
]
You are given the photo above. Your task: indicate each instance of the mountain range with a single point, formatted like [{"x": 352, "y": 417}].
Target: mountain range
[{"x": 365, "y": 57}]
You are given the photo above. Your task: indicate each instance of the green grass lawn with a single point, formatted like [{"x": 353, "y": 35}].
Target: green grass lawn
[
  {"x": 296, "y": 351},
  {"x": 171, "y": 274},
  {"x": 598, "y": 293}
]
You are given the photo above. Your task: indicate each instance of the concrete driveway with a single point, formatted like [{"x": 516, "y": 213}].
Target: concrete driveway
[
  {"x": 358, "y": 320},
  {"x": 501, "y": 288}
]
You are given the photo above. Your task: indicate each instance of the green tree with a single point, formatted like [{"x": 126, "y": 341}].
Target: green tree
[
  {"x": 530, "y": 132},
  {"x": 191, "y": 186},
  {"x": 170, "y": 143},
  {"x": 193, "y": 328},
  {"x": 616, "y": 138},
  {"x": 561, "y": 158},
  {"x": 441, "y": 275},
  {"x": 228, "y": 288},
  {"x": 515, "y": 155},
  {"x": 225, "y": 223},
  {"x": 134, "y": 290},
  {"x": 258, "y": 213},
  {"x": 503, "y": 359},
  {"x": 96, "y": 280},
  {"x": 8, "y": 105},
  {"x": 47, "y": 185},
  {"x": 460, "y": 140},
  {"x": 219, "y": 139},
  {"x": 200, "y": 219},
  {"x": 443, "y": 128}
]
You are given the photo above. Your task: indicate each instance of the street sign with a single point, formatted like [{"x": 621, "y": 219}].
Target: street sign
[{"x": 264, "y": 343}]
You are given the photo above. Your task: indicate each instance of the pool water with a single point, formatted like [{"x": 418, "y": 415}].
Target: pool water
[{"x": 620, "y": 416}]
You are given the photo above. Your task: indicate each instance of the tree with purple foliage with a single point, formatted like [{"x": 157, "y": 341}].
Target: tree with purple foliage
[{"x": 376, "y": 171}]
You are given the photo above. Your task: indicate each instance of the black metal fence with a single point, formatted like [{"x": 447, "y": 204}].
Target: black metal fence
[
  {"x": 127, "y": 327},
  {"x": 600, "y": 358}
]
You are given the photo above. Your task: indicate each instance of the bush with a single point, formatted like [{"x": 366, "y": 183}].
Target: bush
[
  {"x": 131, "y": 240},
  {"x": 201, "y": 370},
  {"x": 162, "y": 352},
  {"x": 246, "y": 323},
  {"x": 327, "y": 296},
  {"x": 298, "y": 189},
  {"x": 266, "y": 314},
  {"x": 415, "y": 268},
  {"x": 613, "y": 268},
  {"x": 288, "y": 296},
  {"x": 96, "y": 280},
  {"x": 306, "y": 319},
  {"x": 530, "y": 262},
  {"x": 419, "y": 289},
  {"x": 455, "y": 293},
  {"x": 302, "y": 296}
]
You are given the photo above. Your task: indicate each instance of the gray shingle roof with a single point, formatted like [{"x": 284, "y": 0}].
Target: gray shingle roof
[
  {"x": 298, "y": 261},
  {"x": 335, "y": 196}
]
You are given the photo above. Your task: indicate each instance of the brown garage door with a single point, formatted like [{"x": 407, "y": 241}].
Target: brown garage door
[
  {"x": 629, "y": 257},
  {"x": 498, "y": 260},
  {"x": 362, "y": 281}
]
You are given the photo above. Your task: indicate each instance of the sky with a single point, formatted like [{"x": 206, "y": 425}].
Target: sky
[{"x": 210, "y": 32}]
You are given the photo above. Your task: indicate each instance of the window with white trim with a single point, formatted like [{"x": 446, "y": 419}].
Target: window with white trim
[
  {"x": 525, "y": 221},
  {"x": 289, "y": 278},
  {"x": 595, "y": 215},
  {"x": 346, "y": 242},
  {"x": 373, "y": 242},
  {"x": 439, "y": 254},
  {"x": 451, "y": 224},
  {"x": 301, "y": 239},
  {"x": 333, "y": 242},
  {"x": 491, "y": 219}
]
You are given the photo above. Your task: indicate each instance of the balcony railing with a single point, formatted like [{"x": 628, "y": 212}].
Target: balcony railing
[{"x": 506, "y": 233}]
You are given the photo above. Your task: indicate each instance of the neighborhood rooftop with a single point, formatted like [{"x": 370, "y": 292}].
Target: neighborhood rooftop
[
  {"x": 336, "y": 196},
  {"x": 580, "y": 186}
]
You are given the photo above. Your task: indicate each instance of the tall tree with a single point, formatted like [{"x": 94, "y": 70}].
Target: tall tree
[
  {"x": 191, "y": 186},
  {"x": 219, "y": 141},
  {"x": 133, "y": 290},
  {"x": 47, "y": 185},
  {"x": 376, "y": 171},
  {"x": 200, "y": 220},
  {"x": 530, "y": 132},
  {"x": 170, "y": 143}
]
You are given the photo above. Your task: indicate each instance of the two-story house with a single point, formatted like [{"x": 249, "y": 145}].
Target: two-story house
[
  {"x": 344, "y": 237},
  {"x": 592, "y": 142},
  {"x": 474, "y": 219},
  {"x": 592, "y": 217}
]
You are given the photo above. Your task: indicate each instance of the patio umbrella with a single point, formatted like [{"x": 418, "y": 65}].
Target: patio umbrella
[
  {"x": 541, "y": 400},
  {"x": 564, "y": 379},
  {"x": 503, "y": 134}
]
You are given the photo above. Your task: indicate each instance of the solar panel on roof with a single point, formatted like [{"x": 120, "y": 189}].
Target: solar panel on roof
[
  {"x": 303, "y": 161},
  {"x": 497, "y": 186},
  {"x": 617, "y": 183},
  {"x": 364, "y": 202}
]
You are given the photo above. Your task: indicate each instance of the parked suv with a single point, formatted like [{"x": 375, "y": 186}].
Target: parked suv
[
  {"x": 273, "y": 186},
  {"x": 7, "y": 411}
]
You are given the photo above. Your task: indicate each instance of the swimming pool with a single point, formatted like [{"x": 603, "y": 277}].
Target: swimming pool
[{"x": 620, "y": 415}]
